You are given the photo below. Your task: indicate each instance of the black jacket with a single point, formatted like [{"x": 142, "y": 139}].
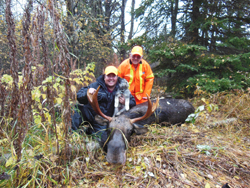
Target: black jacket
[{"x": 105, "y": 99}]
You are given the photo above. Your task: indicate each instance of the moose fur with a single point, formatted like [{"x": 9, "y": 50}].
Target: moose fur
[
  {"x": 120, "y": 128},
  {"x": 169, "y": 111}
]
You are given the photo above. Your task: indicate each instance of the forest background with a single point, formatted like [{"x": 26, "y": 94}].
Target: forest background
[
  {"x": 206, "y": 43},
  {"x": 195, "y": 47}
]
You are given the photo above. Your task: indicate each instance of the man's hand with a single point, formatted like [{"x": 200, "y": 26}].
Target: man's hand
[
  {"x": 122, "y": 100},
  {"x": 145, "y": 98},
  {"x": 92, "y": 90}
]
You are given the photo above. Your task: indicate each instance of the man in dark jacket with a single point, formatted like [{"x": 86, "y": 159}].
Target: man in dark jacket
[{"x": 109, "y": 83}]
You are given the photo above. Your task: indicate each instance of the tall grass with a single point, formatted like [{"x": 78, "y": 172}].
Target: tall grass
[{"x": 29, "y": 99}]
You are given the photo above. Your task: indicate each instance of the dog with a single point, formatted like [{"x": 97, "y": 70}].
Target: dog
[{"x": 122, "y": 91}]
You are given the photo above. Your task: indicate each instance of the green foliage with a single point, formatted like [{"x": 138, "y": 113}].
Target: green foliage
[
  {"x": 238, "y": 43},
  {"x": 222, "y": 73},
  {"x": 209, "y": 84},
  {"x": 39, "y": 165},
  {"x": 189, "y": 67},
  {"x": 85, "y": 76},
  {"x": 39, "y": 148},
  {"x": 7, "y": 79},
  {"x": 199, "y": 111},
  {"x": 165, "y": 72}
]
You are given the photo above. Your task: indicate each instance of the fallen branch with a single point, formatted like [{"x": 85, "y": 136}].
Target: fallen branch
[{"x": 222, "y": 122}]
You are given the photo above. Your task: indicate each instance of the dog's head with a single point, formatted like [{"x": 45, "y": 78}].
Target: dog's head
[{"x": 123, "y": 85}]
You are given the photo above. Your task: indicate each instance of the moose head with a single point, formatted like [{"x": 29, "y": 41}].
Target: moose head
[{"x": 120, "y": 129}]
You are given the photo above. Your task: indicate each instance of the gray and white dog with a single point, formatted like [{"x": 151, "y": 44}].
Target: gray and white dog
[{"x": 122, "y": 91}]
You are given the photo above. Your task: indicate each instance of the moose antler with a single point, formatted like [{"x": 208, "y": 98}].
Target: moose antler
[
  {"x": 150, "y": 111},
  {"x": 94, "y": 103}
]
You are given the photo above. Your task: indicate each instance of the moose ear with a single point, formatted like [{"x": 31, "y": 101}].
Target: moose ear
[
  {"x": 139, "y": 129},
  {"x": 100, "y": 120}
]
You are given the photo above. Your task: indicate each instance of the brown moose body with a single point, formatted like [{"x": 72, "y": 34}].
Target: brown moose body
[{"x": 170, "y": 111}]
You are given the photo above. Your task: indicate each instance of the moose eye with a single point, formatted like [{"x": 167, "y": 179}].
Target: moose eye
[{"x": 130, "y": 131}]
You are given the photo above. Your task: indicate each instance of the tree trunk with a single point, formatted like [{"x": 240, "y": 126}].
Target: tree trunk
[
  {"x": 132, "y": 20},
  {"x": 174, "y": 11},
  {"x": 195, "y": 17},
  {"x": 123, "y": 51},
  {"x": 107, "y": 5}
]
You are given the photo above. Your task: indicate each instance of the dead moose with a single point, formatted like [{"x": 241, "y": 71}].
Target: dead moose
[{"x": 120, "y": 128}]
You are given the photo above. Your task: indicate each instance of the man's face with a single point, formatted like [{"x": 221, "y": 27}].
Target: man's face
[
  {"x": 110, "y": 79},
  {"x": 135, "y": 59}
]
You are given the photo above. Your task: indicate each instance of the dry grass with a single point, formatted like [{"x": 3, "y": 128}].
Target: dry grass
[
  {"x": 212, "y": 151},
  {"x": 191, "y": 155}
]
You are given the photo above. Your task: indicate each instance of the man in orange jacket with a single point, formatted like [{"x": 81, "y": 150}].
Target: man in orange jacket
[{"x": 138, "y": 73}]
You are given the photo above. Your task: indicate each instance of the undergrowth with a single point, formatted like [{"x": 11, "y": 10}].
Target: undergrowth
[{"x": 211, "y": 151}]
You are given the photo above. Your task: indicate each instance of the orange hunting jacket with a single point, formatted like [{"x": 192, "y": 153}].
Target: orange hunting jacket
[{"x": 140, "y": 80}]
